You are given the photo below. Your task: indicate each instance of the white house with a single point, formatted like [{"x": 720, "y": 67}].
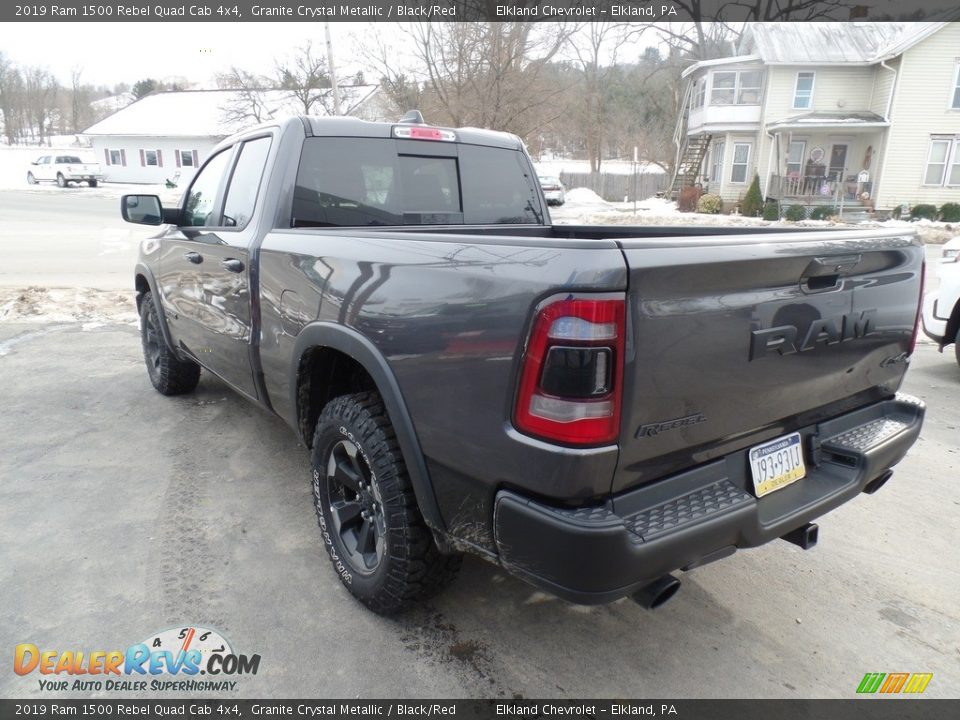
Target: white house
[
  {"x": 858, "y": 113},
  {"x": 169, "y": 134}
]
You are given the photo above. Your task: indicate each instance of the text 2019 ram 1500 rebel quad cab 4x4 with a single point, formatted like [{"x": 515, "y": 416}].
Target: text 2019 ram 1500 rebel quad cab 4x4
[{"x": 591, "y": 407}]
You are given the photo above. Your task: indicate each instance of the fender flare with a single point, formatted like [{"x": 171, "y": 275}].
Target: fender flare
[
  {"x": 147, "y": 273},
  {"x": 354, "y": 345}
]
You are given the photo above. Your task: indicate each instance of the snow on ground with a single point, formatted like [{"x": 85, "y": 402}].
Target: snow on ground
[
  {"x": 585, "y": 207},
  {"x": 51, "y": 305},
  {"x": 553, "y": 167}
]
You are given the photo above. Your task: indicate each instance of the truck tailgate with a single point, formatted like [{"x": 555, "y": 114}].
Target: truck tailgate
[{"x": 734, "y": 340}]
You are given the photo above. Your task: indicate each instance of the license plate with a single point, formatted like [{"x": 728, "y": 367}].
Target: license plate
[{"x": 776, "y": 464}]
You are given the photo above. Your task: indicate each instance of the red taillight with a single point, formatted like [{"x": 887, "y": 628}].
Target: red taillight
[
  {"x": 916, "y": 320},
  {"x": 570, "y": 384}
]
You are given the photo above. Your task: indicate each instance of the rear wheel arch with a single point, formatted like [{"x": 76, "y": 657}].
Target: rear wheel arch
[
  {"x": 952, "y": 331},
  {"x": 330, "y": 360}
]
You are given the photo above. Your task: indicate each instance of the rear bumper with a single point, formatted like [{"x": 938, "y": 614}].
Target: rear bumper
[{"x": 598, "y": 554}]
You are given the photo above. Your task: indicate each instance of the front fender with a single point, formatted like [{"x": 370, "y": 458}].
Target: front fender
[{"x": 147, "y": 273}]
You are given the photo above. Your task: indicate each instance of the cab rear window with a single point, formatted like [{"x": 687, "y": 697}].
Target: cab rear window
[{"x": 351, "y": 182}]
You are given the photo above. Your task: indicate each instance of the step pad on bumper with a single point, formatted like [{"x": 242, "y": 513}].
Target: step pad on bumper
[
  {"x": 862, "y": 438},
  {"x": 715, "y": 499}
]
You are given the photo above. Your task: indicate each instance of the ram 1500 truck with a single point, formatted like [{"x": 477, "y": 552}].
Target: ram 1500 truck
[{"x": 591, "y": 407}]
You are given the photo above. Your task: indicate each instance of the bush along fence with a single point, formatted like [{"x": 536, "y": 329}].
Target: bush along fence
[{"x": 614, "y": 187}]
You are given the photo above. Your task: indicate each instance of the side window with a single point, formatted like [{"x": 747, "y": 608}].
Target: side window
[
  {"x": 245, "y": 182},
  {"x": 202, "y": 198}
]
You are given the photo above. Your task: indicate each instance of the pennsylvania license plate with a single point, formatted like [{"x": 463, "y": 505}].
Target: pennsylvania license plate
[{"x": 776, "y": 464}]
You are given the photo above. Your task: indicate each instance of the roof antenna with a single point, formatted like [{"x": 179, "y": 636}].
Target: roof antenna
[{"x": 413, "y": 117}]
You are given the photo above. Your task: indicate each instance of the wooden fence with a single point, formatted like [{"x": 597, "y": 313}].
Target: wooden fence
[{"x": 614, "y": 187}]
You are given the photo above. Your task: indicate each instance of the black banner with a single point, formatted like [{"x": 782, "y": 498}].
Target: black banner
[
  {"x": 475, "y": 10},
  {"x": 860, "y": 709}
]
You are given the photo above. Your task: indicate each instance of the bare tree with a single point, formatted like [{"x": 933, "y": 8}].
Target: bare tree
[
  {"x": 40, "y": 89},
  {"x": 490, "y": 74},
  {"x": 248, "y": 102},
  {"x": 399, "y": 88},
  {"x": 304, "y": 75},
  {"x": 11, "y": 99},
  {"x": 596, "y": 48}
]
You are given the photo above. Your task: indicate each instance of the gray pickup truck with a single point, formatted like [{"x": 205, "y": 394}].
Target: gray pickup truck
[{"x": 590, "y": 407}]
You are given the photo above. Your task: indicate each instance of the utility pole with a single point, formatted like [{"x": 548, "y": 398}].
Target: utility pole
[{"x": 331, "y": 68}]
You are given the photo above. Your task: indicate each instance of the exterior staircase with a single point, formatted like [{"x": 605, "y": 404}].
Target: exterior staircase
[{"x": 691, "y": 160}]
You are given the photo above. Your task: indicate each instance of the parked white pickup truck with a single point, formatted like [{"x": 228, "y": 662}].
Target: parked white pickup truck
[
  {"x": 941, "y": 307},
  {"x": 64, "y": 169}
]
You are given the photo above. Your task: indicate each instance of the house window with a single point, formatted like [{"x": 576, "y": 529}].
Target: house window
[
  {"x": 116, "y": 157},
  {"x": 736, "y": 88},
  {"x": 943, "y": 162},
  {"x": 803, "y": 93},
  {"x": 186, "y": 158},
  {"x": 699, "y": 92},
  {"x": 795, "y": 158},
  {"x": 741, "y": 159},
  {"x": 724, "y": 88},
  {"x": 716, "y": 161},
  {"x": 748, "y": 87},
  {"x": 955, "y": 105},
  {"x": 150, "y": 158}
]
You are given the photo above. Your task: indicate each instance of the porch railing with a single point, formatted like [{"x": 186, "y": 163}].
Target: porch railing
[{"x": 810, "y": 188}]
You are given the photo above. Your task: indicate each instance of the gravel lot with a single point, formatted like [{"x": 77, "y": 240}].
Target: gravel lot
[{"x": 123, "y": 513}]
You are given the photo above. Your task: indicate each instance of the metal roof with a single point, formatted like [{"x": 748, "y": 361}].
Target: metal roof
[
  {"x": 821, "y": 42},
  {"x": 813, "y": 121}
]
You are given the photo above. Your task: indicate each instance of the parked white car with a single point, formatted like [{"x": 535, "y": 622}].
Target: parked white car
[
  {"x": 553, "y": 190},
  {"x": 63, "y": 170},
  {"x": 941, "y": 308}
]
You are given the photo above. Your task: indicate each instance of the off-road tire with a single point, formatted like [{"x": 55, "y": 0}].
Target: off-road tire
[
  {"x": 61, "y": 180},
  {"x": 168, "y": 374},
  {"x": 408, "y": 565},
  {"x": 31, "y": 180}
]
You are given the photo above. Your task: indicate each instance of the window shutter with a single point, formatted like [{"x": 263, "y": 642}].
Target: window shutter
[
  {"x": 123, "y": 157},
  {"x": 106, "y": 155},
  {"x": 143, "y": 158},
  {"x": 159, "y": 158},
  {"x": 196, "y": 160},
  {"x": 176, "y": 155}
]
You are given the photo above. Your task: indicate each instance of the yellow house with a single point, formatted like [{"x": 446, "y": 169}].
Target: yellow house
[{"x": 849, "y": 115}]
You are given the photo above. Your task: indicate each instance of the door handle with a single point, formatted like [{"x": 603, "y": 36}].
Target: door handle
[
  {"x": 232, "y": 264},
  {"x": 194, "y": 257}
]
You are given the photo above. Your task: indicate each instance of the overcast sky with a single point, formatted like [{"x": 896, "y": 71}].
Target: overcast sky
[{"x": 110, "y": 53}]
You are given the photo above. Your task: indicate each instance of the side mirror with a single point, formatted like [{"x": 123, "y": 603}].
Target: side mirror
[{"x": 146, "y": 210}]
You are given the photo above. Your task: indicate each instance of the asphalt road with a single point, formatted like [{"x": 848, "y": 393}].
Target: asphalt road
[
  {"x": 72, "y": 238},
  {"x": 123, "y": 513}
]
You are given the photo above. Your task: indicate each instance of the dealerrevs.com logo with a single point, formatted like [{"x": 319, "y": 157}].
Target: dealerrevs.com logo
[
  {"x": 894, "y": 683},
  {"x": 169, "y": 660}
]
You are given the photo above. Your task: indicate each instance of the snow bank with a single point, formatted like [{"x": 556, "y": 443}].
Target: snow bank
[
  {"x": 49, "y": 305},
  {"x": 585, "y": 196}
]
